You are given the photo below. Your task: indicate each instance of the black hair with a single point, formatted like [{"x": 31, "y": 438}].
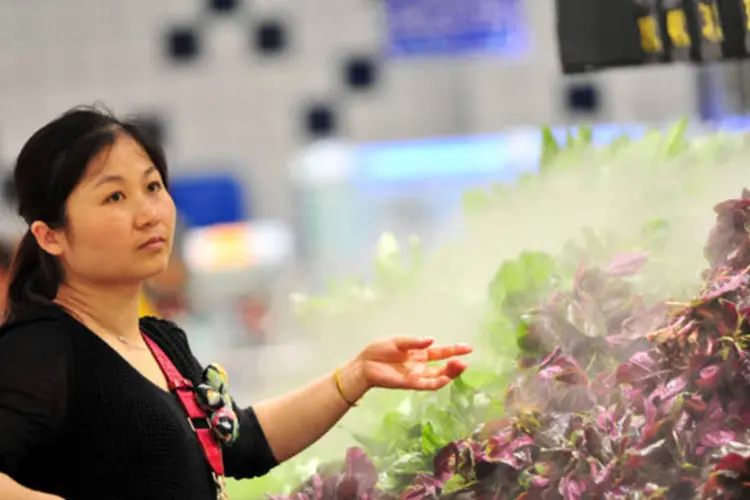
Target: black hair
[
  {"x": 6, "y": 255},
  {"x": 49, "y": 166}
]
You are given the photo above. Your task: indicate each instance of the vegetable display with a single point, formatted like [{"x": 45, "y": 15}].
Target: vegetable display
[{"x": 614, "y": 370}]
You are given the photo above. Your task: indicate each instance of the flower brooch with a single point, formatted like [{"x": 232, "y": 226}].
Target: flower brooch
[{"x": 213, "y": 398}]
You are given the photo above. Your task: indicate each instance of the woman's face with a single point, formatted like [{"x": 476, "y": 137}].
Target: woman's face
[{"x": 120, "y": 219}]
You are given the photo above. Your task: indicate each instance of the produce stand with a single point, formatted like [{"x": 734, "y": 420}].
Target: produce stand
[{"x": 627, "y": 364}]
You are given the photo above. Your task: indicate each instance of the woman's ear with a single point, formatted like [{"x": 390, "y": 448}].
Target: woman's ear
[{"x": 48, "y": 239}]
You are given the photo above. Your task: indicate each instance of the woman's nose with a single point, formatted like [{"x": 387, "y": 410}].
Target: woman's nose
[{"x": 146, "y": 213}]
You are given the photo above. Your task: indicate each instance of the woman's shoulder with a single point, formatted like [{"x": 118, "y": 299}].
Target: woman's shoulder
[
  {"x": 172, "y": 340},
  {"x": 37, "y": 324},
  {"x": 42, "y": 334},
  {"x": 164, "y": 332}
]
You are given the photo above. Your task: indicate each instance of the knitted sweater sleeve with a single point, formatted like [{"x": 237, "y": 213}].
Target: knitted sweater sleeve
[
  {"x": 250, "y": 456},
  {"x": 34, "y": 378}
]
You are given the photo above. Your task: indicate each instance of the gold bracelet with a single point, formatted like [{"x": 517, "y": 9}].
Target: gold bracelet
[{"x": 340, "y": 387}]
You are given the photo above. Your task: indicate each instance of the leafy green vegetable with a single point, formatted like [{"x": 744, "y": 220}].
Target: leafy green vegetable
[{"x": 596, "y": 276}]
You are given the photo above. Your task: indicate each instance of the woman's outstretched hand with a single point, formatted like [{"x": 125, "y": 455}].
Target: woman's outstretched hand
[
  {"x": 397, "y": 363},
  {"x": 405, "y": 363}
]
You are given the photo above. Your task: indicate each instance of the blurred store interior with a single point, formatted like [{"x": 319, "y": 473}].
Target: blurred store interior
[{"x": 299, "y": 131}]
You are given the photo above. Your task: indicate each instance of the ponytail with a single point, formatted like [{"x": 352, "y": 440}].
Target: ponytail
[{"x": 35, "y": 277}]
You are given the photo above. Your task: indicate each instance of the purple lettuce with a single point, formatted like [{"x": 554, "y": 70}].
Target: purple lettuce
[
  {"x": 617, "y": 398},
  {"x": 356, "y": 479}
]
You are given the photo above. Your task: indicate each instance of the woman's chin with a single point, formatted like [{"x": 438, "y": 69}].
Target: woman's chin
[{"x": 153, "y": 269}]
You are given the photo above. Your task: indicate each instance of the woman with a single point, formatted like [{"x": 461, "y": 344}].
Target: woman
[{"x": 93, "y": 401}]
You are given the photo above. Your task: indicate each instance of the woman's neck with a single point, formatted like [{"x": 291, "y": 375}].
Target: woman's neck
[{"x": 110, "y": 310}]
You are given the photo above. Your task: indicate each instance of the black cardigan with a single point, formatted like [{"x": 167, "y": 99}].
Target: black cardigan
[{"x": 78, "y": 421}]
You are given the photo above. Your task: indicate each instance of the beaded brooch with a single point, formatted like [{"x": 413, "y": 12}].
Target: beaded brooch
[{"x": 213, "y": 397}]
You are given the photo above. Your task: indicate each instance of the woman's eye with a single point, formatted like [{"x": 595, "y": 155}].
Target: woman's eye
[
  {"x": 114, "y": 197},
  {"x": 154, "y": 186}
]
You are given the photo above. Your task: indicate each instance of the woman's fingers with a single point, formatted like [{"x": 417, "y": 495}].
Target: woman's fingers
[
  {"x": 430, "y": 384},
  {"x": 409, "y": 343},
  {"x": 416, "y": 372},
  {"x": 423, "y": 351},
  {"x": 452, "y": 369},
  {"x": 439, "y": 353}
]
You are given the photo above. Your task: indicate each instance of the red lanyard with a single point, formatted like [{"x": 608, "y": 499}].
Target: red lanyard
[{"x": 184, "y": 390}]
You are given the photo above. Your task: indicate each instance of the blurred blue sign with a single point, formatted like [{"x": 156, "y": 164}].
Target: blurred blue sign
[
  {"x": 456, "y": 27},
  {"x": 500, "y": 156},
  {"x": 207, "y": 199}
]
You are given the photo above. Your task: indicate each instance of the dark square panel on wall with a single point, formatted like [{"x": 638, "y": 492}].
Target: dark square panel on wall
[
  {"x": 183, "y": 44},
  {"x": 582, "y": 98},
  {"x": 320, "y": 120},
  {"x": 270, "y": 37},
  {"x": 360, "y": 72},
  {"x": 223, "y": 6}
]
